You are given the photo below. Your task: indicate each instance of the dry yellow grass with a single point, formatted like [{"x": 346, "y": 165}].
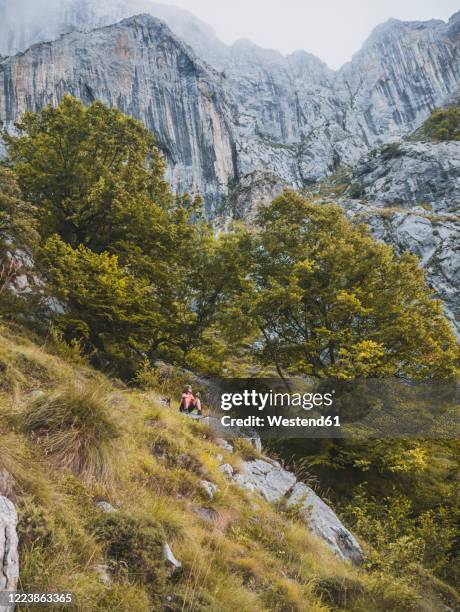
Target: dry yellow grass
[{"x": 247, "y": 555}]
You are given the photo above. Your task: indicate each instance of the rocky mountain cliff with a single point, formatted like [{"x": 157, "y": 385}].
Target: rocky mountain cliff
[
  {"x": 141, "y": 67},
  {"x": 409, "y": 196},
  {"x": 27, "y": 22},
  {"x": 232, "y": 118}
]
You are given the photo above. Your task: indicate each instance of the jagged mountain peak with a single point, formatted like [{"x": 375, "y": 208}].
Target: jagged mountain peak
[
  {"x": 453, "y": 27},
  {"x": 455, "y": 18},
  {"x": 26, "y": 22},
  {"x": 396, "y": 27}
]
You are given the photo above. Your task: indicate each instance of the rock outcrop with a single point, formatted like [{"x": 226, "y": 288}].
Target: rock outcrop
[
  {"x": 276, "y": 484},
  {"x": 9, "y": 558},
  {"x": 170, "y": 558},
  {"x": 410, "y": 174},
  {"x": 106, "y": 507},
  {"x": 324, "y": 523},
  {"x": 409, "y": 196},
  {"x": 435, "y": 239},
  {"x": 267, "y": 478},
  {"x": 28, "y": 22}
]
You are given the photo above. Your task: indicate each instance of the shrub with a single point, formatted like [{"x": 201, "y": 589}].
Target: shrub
[
  {"x": 35, "y": 525},
  {"x": 74, "y": 428},
  {"x": 443, "y": 124},
  {"x": 390, "y": 151},
  {"x": 135, "y": 545},
  {"x": 399, "y": 536},
  {"x": 356, "y": 191},
  {"x": 244, "y": 447},
  {"x": 339, "y": 591}
]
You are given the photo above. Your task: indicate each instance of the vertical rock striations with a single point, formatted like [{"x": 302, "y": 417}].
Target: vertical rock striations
[
  {"x": 253, "y": 120},
  {"x": 143, "y": 69}
]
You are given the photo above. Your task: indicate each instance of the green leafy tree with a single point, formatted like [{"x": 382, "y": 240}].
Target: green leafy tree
[
  {"x": 106, "y": 307},
  {"x": 96, "y": 177},
  {"x": 331, "y": 301},
  {"x": 92, "y": 172},
  {"x": 217, "y": 277}
]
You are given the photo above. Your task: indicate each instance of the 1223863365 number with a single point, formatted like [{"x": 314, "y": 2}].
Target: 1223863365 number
[{"x": 11, "y": 598}]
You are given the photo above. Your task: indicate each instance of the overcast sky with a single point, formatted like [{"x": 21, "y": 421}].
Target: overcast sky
[{"x": 331, "y": 29}]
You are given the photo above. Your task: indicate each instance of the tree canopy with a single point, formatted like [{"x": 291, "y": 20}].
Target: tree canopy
[
  {"x": 116, "y": 247},
  {"x": 329, "y": 300},
  {"x": 92, "y": 172}
]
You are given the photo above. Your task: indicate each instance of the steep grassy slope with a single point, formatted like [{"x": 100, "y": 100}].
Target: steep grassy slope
[{"x": 124, "y": 447}]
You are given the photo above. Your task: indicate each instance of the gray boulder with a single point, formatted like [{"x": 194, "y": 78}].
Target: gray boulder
[
  {"x": 267, "y": 478},
  {"x": 9, "y": 557},
  {"x": 276, "y": 484},
  {"x": 170, "y": 558},
  {"x": 106, "y": 507},
  {"x": 226, "y": 469},
  {"x": 210, "y": 488},
  {"x": 226, "y": 446},
  {"x": 324, "y": 523}
]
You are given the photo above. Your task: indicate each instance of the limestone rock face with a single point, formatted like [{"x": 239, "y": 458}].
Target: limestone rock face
[
  {"x": 141, "y": 67},
  {"x": 28, "y": 22},
  {"x": 409, "y": 195},
  {"x": 273, "y": 482},
  {"x": 402, "y": 72},
  {"x": 433, "y": 238},
  {"x": 9, "y": 558},
  {"x": 233, "y": 121},
  {"x": 410, "y": 174},
  {"x": 267, "y": 478},
  {"x": 325, "y": 523}
]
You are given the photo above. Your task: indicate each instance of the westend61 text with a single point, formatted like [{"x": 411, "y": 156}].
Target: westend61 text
[{"x": 279, "y": 421}]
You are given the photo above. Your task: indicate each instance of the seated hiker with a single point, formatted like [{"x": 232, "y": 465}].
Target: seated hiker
[
  {"x": 198, "y": 402},
  {"x": 187, "y": 402}
]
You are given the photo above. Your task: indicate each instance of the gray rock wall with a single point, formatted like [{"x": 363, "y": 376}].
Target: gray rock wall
[
  {"x": 411, "y": 174},
  {"x": 143, "y": 69},
  {"x": 9, "y": 558},
  {"x": 253, "y": 114},
  {"x": 409, "y": 195}
]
